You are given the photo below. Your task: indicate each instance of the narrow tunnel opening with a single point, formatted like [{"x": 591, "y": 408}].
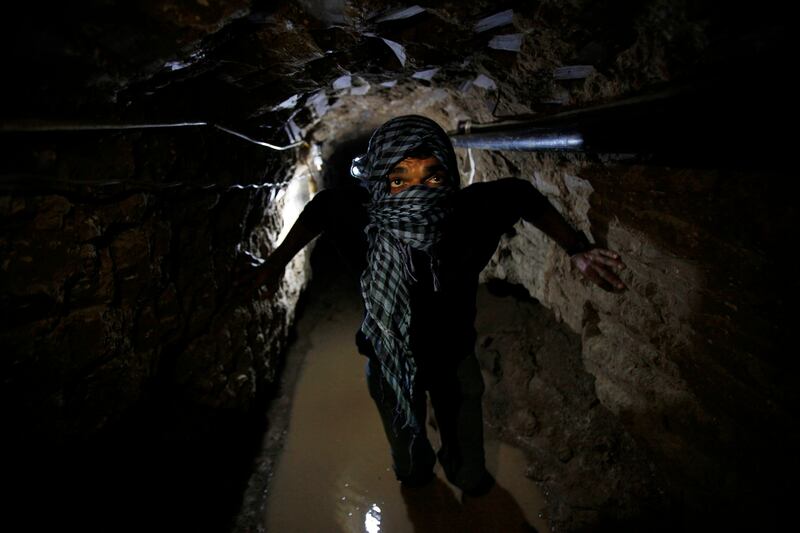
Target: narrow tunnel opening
[{"x": 529, "y": 358}]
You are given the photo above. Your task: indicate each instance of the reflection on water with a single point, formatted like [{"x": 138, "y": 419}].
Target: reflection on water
[
  {"x": 334, "y": 473},
  {"x": 372, "y": 522}
]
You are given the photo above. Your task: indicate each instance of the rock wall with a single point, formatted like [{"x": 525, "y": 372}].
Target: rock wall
[
  {"x": 120, "y": 321},
  {"x": 541, "y": 398},
  {"x": 691, "y": 359}
]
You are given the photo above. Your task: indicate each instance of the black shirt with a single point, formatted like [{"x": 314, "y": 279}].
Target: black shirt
[{"x": 442, "y": 323}]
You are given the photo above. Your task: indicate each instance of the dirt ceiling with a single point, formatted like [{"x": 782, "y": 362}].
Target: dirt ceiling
[{"x": 259, "y": 64}]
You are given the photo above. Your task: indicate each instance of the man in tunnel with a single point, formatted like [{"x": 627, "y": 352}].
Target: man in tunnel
[{"x": 424, "y": 242}]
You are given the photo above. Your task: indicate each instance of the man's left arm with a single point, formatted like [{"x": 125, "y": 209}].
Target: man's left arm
[{"x": 595, "y": 263}]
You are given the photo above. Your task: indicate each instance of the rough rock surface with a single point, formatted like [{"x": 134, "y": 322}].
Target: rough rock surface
[
  {"x": 662, "y": 353},
  {"x": 540, "y": 397},
  {"x": 120, "y": 322}
]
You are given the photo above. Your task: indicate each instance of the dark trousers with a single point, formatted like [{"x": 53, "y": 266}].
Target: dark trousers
[{"x": 455, "y": 395}]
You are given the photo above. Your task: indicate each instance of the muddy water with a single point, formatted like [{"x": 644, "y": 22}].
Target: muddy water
[{"x": 334, "y": 473}]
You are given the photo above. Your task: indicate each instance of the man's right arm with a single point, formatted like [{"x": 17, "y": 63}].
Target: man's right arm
[
  {"x": 520, "y": 197},
  {"x": 298, "y": 237}
]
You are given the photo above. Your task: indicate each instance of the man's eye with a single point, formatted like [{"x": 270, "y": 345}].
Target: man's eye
[
  {"x": 436, "y": 178},
  {"x": 396, "y": 182}
]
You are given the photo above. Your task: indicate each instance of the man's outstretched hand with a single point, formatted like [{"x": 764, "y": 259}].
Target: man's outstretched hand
[
  {"x": 598, "y": 265},
  {"x": 264, "y": 278},
  {"x": 268, "y": 278}
]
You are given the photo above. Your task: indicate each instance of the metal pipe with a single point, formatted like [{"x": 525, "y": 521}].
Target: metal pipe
[
  {"x": 43, "y": 127},
  {"x": 527, "y": 139},
  {"x": 604, "y": 127}
]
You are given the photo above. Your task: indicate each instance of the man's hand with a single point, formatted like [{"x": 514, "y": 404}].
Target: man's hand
[
  {"x": 264, "y": 278},
  {"x": 597, "y": 264},
  {"x": 269, "y": 277}
]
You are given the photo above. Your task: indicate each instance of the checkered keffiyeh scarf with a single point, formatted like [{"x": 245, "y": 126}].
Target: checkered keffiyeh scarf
[{"x": 411, "y": 219}]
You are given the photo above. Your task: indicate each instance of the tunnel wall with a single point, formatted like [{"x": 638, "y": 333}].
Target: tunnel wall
[
  {"x": 689, "y": 359},
  {"x": 117, "y": 277}
]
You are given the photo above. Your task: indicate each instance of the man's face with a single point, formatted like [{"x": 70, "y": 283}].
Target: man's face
[{"x": 416, "y": 171}]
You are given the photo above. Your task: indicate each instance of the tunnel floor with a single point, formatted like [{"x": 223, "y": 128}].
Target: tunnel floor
[{"x": 333, "y": 472}]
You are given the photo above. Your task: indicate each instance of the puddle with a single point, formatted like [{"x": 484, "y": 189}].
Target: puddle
[{"x": 334, "y": 473}]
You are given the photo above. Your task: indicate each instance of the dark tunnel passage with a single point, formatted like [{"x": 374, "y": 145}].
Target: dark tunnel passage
[{"x": 153, "y": 153}]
